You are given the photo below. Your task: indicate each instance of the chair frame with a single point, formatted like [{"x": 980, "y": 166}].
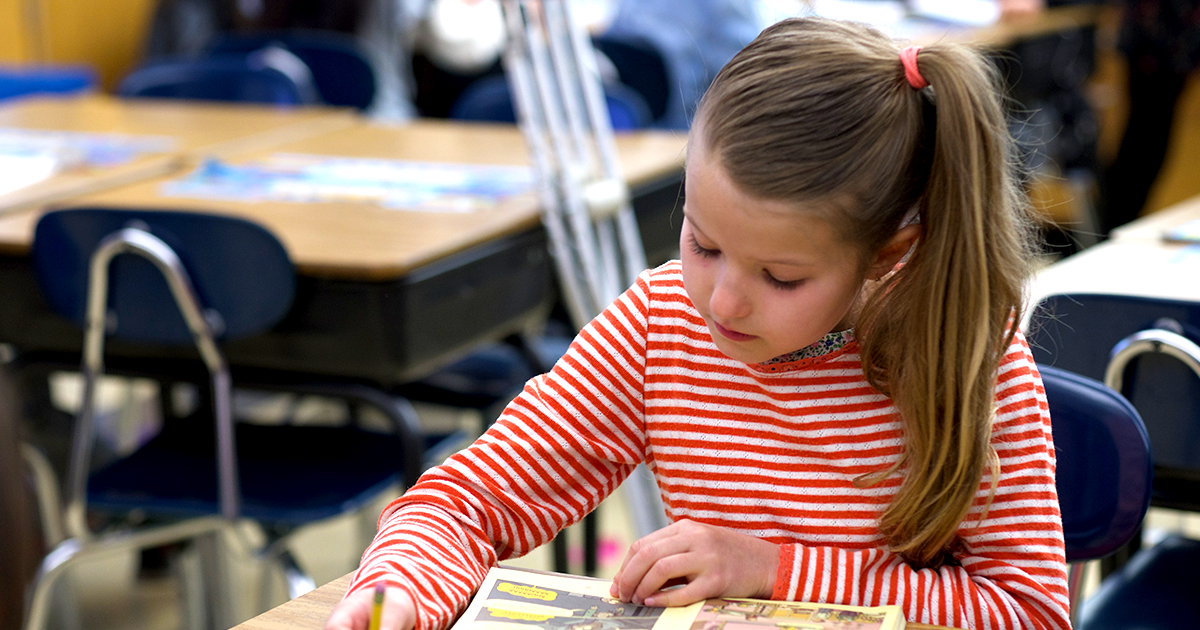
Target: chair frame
[{"x": 81, "y": 542}]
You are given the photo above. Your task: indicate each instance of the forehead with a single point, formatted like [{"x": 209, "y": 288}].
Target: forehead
[{"x": 756, "y": 228}]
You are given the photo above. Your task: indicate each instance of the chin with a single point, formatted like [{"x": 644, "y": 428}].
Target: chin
[{"x": 737, "y": 351}]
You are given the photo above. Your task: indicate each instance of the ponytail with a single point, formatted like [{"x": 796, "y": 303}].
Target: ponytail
[{"x": 933, "y": 337}]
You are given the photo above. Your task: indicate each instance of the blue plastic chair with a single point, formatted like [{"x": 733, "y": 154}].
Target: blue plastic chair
[
  {"x": 23, "y": 81},
  {"x": 1081, "y": 332},
  {"x": 1155, "y": 590},
  {"x": 147, "y": 280},
  {"x": 490, "y": 100},
  {"x": 1104, "y": 473},
  {"x": 1146, "y": 349},
  {"x": 641, "y": 66},
  {"x": 340, "y": 68},
  {"x": 272, "y": 76}
]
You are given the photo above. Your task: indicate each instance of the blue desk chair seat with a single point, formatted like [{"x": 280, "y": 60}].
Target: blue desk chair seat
[
  {"x": 272, "y": 76},
  {"x": 156, "y": 279}
]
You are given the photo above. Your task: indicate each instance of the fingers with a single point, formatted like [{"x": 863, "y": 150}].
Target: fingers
[
  {"x": 354, "y": 612},
  {"x": 657, "y": 561}
]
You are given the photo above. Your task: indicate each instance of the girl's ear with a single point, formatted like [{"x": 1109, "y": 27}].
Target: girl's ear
[{"x": 894, "y": 251}]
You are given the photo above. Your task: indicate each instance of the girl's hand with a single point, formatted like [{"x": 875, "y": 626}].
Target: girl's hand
[
  {"x": 354, "y": 612},
  {"x": 712, "y": 561}
]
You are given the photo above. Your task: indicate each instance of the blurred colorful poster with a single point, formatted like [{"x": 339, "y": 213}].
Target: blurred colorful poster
[{"x": 400, "y": 184}]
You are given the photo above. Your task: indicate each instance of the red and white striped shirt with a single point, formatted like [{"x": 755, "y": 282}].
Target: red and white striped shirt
[{"x": 771, "y": 451}]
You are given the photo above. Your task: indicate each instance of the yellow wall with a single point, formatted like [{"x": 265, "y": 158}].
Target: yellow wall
[
  {"x": 106, "y": 34},
  {"x": 13, "y": 42}
]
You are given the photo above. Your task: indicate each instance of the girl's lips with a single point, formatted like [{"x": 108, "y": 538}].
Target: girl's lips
[{"x": 732, "y": 334}]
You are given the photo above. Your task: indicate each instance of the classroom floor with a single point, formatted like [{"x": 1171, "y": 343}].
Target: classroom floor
[{"x": 113, "y": 594}]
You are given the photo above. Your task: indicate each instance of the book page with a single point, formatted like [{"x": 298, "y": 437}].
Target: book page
[
  {"x": 515, "y": 599},
  {"x": 520, "y": 599},
  {"x": 750, "y": 614}
]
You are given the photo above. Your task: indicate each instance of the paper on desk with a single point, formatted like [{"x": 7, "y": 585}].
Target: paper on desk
[
  {"x": 28, "y": 156},
  {"x": 19, "y": 169},
  {"x": 399, "y": 184},
  {"x": 96, "y": 150}
]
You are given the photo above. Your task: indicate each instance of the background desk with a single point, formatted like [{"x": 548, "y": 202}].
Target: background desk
[
  {"x": 383, "y": 295},
  {"x": 309, "y": 612},
  {"x": 189, "y": 130},
  {"x": 1136, "y": 261}
]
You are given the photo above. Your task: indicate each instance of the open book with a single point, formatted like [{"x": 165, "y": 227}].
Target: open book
[{"x": 519, "y": 599}]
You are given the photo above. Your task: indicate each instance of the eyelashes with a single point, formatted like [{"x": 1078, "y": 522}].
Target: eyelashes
[
  {"x": 704, "y": 252},
  {"x": 700, "y": 251}
]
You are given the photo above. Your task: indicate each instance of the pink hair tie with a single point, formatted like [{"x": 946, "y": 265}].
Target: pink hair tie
[{"x": 908, "y": 57}]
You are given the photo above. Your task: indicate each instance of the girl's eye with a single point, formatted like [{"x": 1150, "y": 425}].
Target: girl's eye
[
  {"x": 785, "y": 285},
  {"x": 700, "y": 251}
]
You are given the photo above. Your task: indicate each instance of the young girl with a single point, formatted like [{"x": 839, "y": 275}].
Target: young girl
[{"x": 829, "y": 386}]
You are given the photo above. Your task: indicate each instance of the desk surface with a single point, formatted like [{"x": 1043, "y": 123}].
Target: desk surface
[
  {"x": 308, "y": 612},
  {"x": 1136, "y": 261},
  {"x": 187, "y": 130},
  {"x": 1150, "y": 228},
  {"x": 367, "y": 241}
]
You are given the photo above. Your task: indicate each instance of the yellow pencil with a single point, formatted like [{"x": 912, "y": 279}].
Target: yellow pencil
[{"x": 377, "y": 609}]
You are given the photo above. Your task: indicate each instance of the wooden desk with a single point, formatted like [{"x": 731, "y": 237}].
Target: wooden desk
[
  {"x": 383, "y": 295},
  {"x": 363, "y": 240},
  {"x": 189, "y": 130},
  {"x": 309, "y": 612}
]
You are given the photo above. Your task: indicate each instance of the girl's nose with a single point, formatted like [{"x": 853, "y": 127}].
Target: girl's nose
[{"x": 729, "y": 300}]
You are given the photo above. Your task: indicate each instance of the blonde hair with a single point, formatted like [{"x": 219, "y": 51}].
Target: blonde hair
[{"x": 819, "y": 112}]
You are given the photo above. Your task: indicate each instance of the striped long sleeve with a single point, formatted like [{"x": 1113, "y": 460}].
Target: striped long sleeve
[{"x": 768, "y": 450}]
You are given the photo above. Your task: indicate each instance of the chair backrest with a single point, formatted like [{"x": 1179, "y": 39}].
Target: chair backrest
[
  {"x": 241, "y": 272},
  {"x": 1080, "y": 333},
  {"x": 490, "y": 100},
  {"x": 1104, "y": 473},
  {"x": 21, "y": 81},
  {"x": 641, "y": 66},
  {"x": 272, "y": 76},
  {"x": 340, "y": 68}
]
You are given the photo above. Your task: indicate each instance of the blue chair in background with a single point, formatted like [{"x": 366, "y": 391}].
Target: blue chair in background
[
  {"x": 147, "y": 280},
  {"x": 1145, "y": 348},
  {"x": 1081, "y": 333},
  {"x": 341, "y": 72},
  {"x": 1104, "y": 473},
  {"x": 1162, "y": 579},
  {"x": 490, "y": 100},
  {"x": 639, "y": 65},
  {"x": 24, "y": 81},
  {"x": 271, "y": 75}
]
